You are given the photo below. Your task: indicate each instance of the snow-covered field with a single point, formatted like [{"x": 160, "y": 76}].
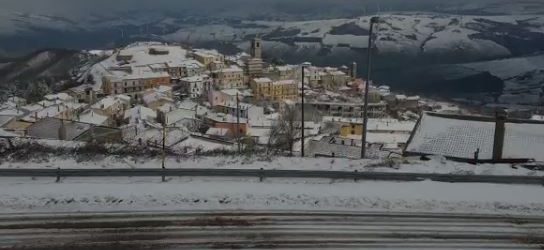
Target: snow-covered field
[{"x": 76, "y": 195}]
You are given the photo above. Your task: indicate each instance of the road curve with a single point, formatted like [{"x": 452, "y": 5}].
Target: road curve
[
  {"x": 271, "y": 173},
  {"x": 269, "y": 230}
]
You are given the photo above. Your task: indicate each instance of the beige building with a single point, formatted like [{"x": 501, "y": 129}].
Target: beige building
[
  {"x": 229, "y": 78},
  {"x": 333, "y": 79},
  {"x": 266, "y": 89},
  {"x": 208, "y": 57},
  {"x": 285, "y": 72}
]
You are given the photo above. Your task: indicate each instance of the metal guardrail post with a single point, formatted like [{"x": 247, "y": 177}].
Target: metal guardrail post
[
  {"x": 58, "y": 175},
  {"x": 163, "y": 175},
  {"x": 261, "y": 175},
  {"x": 355, "y": 178}
]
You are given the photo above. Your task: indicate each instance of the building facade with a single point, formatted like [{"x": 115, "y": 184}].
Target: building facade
[
  {"x": 229, "y": 78},
  {"x": 195, "y": 86},
  {"x": 345, "y": 109},
  {"x": 268, "y": 90}
]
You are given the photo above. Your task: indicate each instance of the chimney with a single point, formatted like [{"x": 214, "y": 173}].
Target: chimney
[{"x": 498, "y": 139}]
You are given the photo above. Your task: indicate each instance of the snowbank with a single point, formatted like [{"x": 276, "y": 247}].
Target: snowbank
[{"x": 186, "y": 194}]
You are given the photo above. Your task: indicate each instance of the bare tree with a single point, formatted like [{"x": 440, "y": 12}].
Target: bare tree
[{"x": 286, "y": 131}]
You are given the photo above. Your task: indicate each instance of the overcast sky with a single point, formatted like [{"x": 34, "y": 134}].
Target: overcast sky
[
  {"x": 63, "y": 6},
  {"x": 74, "y": 8}
]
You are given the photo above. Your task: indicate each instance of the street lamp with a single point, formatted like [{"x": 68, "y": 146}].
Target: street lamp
[
  {"x": 304, "y": 66},
  {"x": 373, "y": 21}
]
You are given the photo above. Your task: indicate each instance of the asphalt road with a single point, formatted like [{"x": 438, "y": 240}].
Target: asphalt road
[
  {"x": 269, "y": 230},
  {"x": 260, "y": 173}
]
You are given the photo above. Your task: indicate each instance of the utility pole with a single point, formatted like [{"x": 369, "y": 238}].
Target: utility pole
[
  {"x": 238, "y": 123},
  {"x": 304, "y": 65},
  {"x": 163, "y": 148},
  {"x": 373, "y": 20}
]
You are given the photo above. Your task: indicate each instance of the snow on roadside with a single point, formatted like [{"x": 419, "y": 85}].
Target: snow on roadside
[
  {"x": 435, "y": 165},
  {"x": 17, "y": 196}
]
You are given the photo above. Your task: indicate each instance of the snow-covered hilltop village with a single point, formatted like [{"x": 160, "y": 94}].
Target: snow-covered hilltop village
[
  {"x": 191, "y": 101},
  {"x": 294, "y": 124}
]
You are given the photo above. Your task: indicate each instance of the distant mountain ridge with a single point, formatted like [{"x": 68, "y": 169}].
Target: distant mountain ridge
[{"x": 47, "y": 63}]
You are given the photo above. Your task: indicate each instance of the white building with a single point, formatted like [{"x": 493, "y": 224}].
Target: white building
[{"x": 196, "y": 86}]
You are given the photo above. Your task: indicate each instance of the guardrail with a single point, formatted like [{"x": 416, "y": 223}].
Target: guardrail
[{"x": 269, "y": 173}]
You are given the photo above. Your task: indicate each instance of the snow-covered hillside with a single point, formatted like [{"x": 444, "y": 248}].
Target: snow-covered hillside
[
  {"x": 523, "y": 78},
  {"x": 410, "y": 33}
]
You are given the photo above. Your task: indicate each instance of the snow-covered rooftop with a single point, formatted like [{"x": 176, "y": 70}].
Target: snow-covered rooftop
[
  {"x": 58, "y": 96},
  {"x": 284, "y": 82},
  {"x": 92, "y": 117},
  {"x": 217, "y": 132},
  {"x": 197, "y": 78},
  {"x": 524, "y": 141},
  {"x": 231, "y": 69},
  {"x": 262, "y": 80},
  {"x": 140, "y": 113},
  {"x": 459, "y": 138}
]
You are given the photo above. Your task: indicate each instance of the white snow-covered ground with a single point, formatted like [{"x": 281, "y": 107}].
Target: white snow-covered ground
[
  {"x": 78, "y": 195},
  {"x": 410, "y": 165}
]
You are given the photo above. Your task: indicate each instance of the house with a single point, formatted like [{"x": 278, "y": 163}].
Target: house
[
  {"x": 57, "y": 129},
  {"x": 219, "y": 133},
  {"x": 345, "y": 109},
  {"x": 285, "y": 72},
  {"x": 225, "y": 96},
  {"x": 354, "y": 126},
  {"x": 60, "y": 111},
  {"x": 229, "y": 78},
  {"x": 157, "y": 97},
  {"x": 178, "y": 115},
  {"x": 207, "y": 57},
  {"x": 333, "y": 79},
  {"x": 139, "y": 114},
  {"x": 90, "y": 116},
  {"x": 245, "y": 110},
  {"x": 112, "y": 106},
  {"x": 265, "y": 89},
  {"x": 83, "y": 93},
  {"x": 63, "y": 97},
  {"x": 133, "y": 82},
  {"x": 402, "y": 102},
  {"x": 195, "y": 86},
  {"x": 236, "y": 127},
  {"x": 477, "y": 138},
  {"x": 5, "y": 119},
  {"x": 13, "y": 102}
]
